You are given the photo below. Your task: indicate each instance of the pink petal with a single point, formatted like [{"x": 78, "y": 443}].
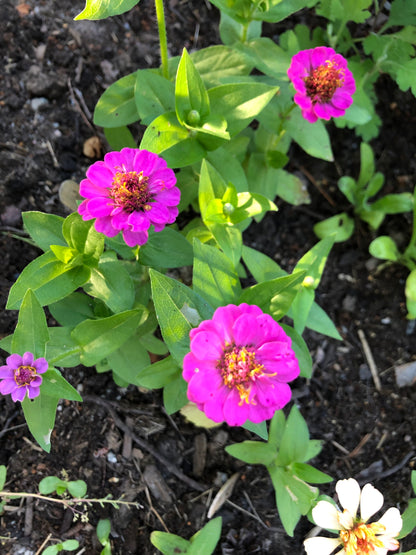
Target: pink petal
[
  {"x": 27, "y": 359},
  {"x": 148, "y": 162},
  {"x": 7, "y": 386},
  {"x": 204, "y": 385},
  {"x": 14, "y": 361},
  {"x": 341, "y": 100},
  {"x": 100, "y": 175},
  {"x": 6, "y": 372},
  {"x": 117, "y": 162},
  {"x": 100, "y": 207},
  {"x": 19, "y": 393},
  {"x": 87, "y": 189},
  {"x": 120, "y": 220},
  {"x": 135, "y": 238},
  {"x": 157, "y": 213},
  {"x": 235, "y": 411},
  {"x": 105, "y": 226},
  {"x": 33, "y": 391},
  {"x": 276, "y": 395},
  {"x": 246, "y": 330},
  {"x": 214, "y": 408},
  {"x": 41, "y": 365},
  {"x": 224, "y": 318},
  {"x": 169, "y": 197},
  {"x": 205, "y": 346}
]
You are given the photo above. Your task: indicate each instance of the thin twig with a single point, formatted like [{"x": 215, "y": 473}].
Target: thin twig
[
  {"x": 39, "y": 551},
  {"x": 370, "y": 360},
  {"x": 170, "y": 467}
]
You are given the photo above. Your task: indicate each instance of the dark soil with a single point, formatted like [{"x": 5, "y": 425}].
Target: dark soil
[{"x": 54, "y": 70}]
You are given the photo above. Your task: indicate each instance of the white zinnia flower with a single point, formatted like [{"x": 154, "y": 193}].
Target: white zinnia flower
[{"x": 356, "y": 537}]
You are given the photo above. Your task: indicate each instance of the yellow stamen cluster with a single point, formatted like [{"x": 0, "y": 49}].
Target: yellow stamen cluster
[
  {"x": 239, "y": 368},
  {"x": 24, "y": 375},
  {"x": 361, "y": 539},
  {"x": 323, "y": 81},
  {"x": 130, "y": 191}
]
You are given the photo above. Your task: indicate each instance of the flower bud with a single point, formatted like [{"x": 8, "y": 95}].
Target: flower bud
[{"x": 193, "y": 117}]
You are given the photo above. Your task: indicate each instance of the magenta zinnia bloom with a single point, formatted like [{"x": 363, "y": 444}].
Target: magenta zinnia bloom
[
  {"x": 239, "y": 365},
  {"x": 20, "y": 375},
  {"x": 130, "y": 191},
  {"x": 324, "y": 85}
]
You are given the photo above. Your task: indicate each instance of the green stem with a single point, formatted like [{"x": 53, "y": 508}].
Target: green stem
[{"x": 161, "y": 24}]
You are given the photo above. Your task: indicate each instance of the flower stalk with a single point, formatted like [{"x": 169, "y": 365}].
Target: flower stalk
[{"x": 163, "y": 43}]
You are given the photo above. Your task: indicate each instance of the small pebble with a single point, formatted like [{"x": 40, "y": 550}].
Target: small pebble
[
  {"x": 386, "y": 320},
  {"x": 111, "y": 457},
  {"x": 38, "y": 102}
]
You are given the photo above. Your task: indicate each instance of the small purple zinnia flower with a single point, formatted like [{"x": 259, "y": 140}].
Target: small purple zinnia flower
[
  {"x": 239, "y": 365},
  {"x": 20, "y": 375},
  {"x": 324, "y": 85},
  {"x": 130, "y": 191}
]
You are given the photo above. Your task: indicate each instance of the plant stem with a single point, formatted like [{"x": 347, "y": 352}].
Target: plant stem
[
  {"x": 161, "y": 24},
  {"x": 68, "y": 503}
]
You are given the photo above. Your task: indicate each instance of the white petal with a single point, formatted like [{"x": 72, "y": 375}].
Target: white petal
[
  {"x": 320, "y": 545},
  {"x": 349, "y": 495},
  {"x": 325, "y": 515},
  {"x": 392, "y": 521},
  {"x": 380, "y": 551},
  {"x": 371, "y": 501}
]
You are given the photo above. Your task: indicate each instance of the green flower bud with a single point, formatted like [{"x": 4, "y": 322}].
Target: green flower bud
[
  {"x": 228, "y": 208},
  {"x": 309, "y": 282},
  {"x": 193, "y": 117}
]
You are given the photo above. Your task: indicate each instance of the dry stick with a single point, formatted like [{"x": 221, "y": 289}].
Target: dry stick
[
  {"x": 146, "y": 446},
  {"x": 39, "y": 551},
  {"x": 370, "y": 360}
]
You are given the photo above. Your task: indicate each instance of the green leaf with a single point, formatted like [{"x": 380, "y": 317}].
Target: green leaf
[
  {"x": 100, "y": 9},
  {"x": 211, "y": 186},
  {"x": 49, "y": 279},
  {"x": 240, "y": 103},
  {"x": 301, "y": 307},
  {"x": 385, "y": 248},
  {"x": 287, "y": 508},
  {"x": 266, "y": 56},
  {"x": 154, "y": 95},
  {"x": 274, "y": 296},
  {"x": 99, "y": 338},
  {"x": 261, "y": 266},
  {"x": 341, "y": 225},
  {"x": 73, "y": 309},
  {"x": 129, "y": 359},
  {"x": 191, "y": 97},
  {"x": 82, "y": 236},
  {"x": 166, "y": 137},
  {"x": 40, "y": 418},
  {"x": 310, "y": 474},
  {"x": 312, "y": 137},
  {"x": 229, "y": 239},
  {"x": 252, "y": 452},
  {"x": 103, "y": 529},
  {"x": 276, "y": 429},
  {"x": 214, "y": 277},
  {"x": 119, "y": 137},
  {"x": 258, "y": 429},
  {"x": 410, "y": 292},
  {"x": 159, "y": 374},
  {"x": 111, "y": 283},
  {"x": 61, "y": 349},
  {"x": 219, "y": 62},
  {"x": 3, "y": 474},
  {"x": 50, "y": 484},
  {"x": 409, "y": 520},
  {"x": 206, "y": 539},
  {"x": 294, "y": 443},
  {"x": 319, "y": 321},
  {"x": 169, "y": 544},
  {"x": 174, "y": 395},
  {"x": 178, "y": 310},
  {"x": 394, "y": 204},
  {"x": 116, "y": 106},
  {"x": 55, "y": 385},
  {"x": 77, "y": 488},
  {"x": 402, "y": 12},
  {"x": 344, "y": 10},
  {"x": 45, "y": 229},
  {"x": 229, "y": 168},
  {"x": 232, "y": 31},
  {"x": 166, "y": 249},
  {"x": 31, "y": 333}
]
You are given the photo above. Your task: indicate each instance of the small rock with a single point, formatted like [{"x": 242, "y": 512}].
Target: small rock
[
  {"x": 11, "y": 215},
  {"x": 349, "y": 303},
  {"x": 69, "y": 194},
  {"x": 405, "y": 374},
  {"x": 156, "y": 483},
  {"x": 38, "y": 102},
  {"x": 111, "y": 457},
  {"x": 92, "y": 147},
  {"x": 364, "y": 372}
]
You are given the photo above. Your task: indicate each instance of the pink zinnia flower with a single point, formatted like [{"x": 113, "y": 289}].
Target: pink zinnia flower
[
  {"x": 20, "y": 375},
  {"x": 323, "y": 83},
  {"x": 239, "y": 365},
  {"x": 130, "y": 191}
]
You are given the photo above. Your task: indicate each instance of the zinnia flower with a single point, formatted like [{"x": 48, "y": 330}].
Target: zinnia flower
[
  {"x": 130, "y": 191},
  {"x": 356, "y": 537},
  {"x": 239, "y": 365},
  {"x": 323, "y": 83},
  {"x": 20, "y": 375}
]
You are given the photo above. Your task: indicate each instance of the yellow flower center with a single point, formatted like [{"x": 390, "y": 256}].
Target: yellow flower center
[
  {"x": 24, "y": 375},
  {"x": 240, "y": 368},
  {"x": 130, "y": 191},
  {"x": 361, "y": 539},
  {"x": 323, "y": 81}
]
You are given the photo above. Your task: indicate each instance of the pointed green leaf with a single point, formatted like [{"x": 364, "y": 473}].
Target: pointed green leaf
[
  {"x": 159, "y": 373},
  {"x": 31, "y": 332},
  {"x": 174, "y": 395},
  {"x": 191, "y": 97},
  {"x": 129, "y": 359},
  {"x": 206, "y": 539},
  {"x": 55, "y": 385},
  {"x": 169, "y": 544},
  {"x": 252, "y": 452},
  {"x": 100, "y": 9},
  {"x": 61, "y": 349},
  {"x": 40, "y": 417},
  {"x": 45, "y": 229},
  {"x": 312, "y": 137},
  {"x": 166, "y": 249},
  {"x": 116, "y": 106},
  {"x": 154, "y": 95},
  {"x": 73, "y": 309},
  {"x": 119, "y": 137},
  {"x": 111, "y": 283},
  {"x": 294, "y": 444}
]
